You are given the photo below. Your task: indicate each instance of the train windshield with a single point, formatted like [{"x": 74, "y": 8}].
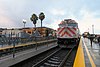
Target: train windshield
[{"x": 73, "y": 24}]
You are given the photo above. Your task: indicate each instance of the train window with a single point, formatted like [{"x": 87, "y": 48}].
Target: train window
[{"x": 73, "y": 25}]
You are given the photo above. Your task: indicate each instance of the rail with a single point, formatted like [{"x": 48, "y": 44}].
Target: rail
[
  {"x": 56, "y": 59},
  {"x": 66, "y": 57}
]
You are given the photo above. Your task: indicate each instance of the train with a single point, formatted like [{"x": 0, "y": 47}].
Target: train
[{"x": 68, "y": 33}]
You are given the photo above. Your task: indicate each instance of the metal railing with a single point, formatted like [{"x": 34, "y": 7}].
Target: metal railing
[
  {"x": 31, "y": 43},
  {"x": 18, "y": 40}
]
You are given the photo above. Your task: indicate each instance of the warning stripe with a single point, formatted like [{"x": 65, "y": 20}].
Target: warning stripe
[
  {"x": 74, "y": 29},
  {"x": 58, "y": 28},
  {"x": 63, "y": 34},
  {"x": 71, "y": 30},
  {"x": 61, "y": 30},
  {"x": 68, "y": 34}
]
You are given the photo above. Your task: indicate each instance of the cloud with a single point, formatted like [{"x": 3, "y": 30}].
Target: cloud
[
  {"x": 55, "y": 23},
  {"x": 12, "y": 12},
  {"x": 55, "y": 11},
  {"x": 87, "y": 20},
  {"x": 5, "y": 20}
]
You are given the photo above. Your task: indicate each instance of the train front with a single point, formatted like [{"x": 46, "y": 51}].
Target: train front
[{"x": 67, "y": 33}]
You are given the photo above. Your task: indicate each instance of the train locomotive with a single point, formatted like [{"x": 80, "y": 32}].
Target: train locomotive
[{"x": 68, "y": 33}]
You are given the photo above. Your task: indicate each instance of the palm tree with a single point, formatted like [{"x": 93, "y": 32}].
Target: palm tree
[
  {"x": 41, "y": 17},
  {"x": 34, "y": 19}
]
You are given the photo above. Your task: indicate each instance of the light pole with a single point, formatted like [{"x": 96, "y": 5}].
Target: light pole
[
  {"x": 88, "y": 29},
  {"x": 93, "y": 29},
  {"x": 24, "y": 21},
  {"x": 13, "y": 42}
]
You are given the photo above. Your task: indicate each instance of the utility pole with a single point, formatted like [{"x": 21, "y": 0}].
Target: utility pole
[
  {"x": 92, "y": 35},
  {"x": 93, "y": 29}
]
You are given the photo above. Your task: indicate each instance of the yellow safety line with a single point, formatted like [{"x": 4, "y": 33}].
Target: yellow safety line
[
  {"x": 3, "y": 48},
  {"x": 79, "y": 60},
  {"x": 89, "y": 56}
]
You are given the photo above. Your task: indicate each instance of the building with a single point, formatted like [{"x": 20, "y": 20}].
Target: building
[
  {"x": 24, "y": 32},
  {"x": 1, "y": 29},
  {"x": 12, "y": 32},
  {"x": 44, "y": 31}
]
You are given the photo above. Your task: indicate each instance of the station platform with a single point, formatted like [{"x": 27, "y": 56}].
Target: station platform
[
  {"x": 8, "y": 60},
  {"x": 4, "y": 47},
  {"x": 87, "y": 55}
]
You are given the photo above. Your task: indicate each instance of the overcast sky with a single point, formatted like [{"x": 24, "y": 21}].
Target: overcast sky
[{"x": 85, "y": 12}]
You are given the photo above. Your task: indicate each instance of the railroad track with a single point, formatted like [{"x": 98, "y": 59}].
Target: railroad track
[
  {"x": 56, "y": 59},
  {"x": 35, "y": 59}
]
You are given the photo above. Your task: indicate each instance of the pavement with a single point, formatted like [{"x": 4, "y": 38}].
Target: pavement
[{"x": 92, "y": 59}]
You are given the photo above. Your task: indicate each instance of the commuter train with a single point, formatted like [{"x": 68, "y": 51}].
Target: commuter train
[{"x": 68, "y": 33}]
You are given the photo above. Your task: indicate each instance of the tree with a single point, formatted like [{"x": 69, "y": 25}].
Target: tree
[
  {"x": 34, "y": 19},
  {"x": 41, "y": 17}
]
